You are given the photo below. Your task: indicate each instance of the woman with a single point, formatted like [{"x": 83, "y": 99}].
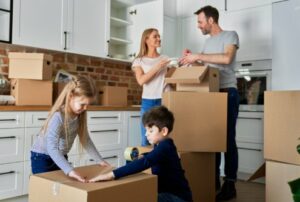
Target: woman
[{"x": 150, "y": 68}]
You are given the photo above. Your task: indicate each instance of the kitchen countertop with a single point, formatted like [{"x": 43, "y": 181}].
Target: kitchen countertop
[{"x": 90, "y": 108}]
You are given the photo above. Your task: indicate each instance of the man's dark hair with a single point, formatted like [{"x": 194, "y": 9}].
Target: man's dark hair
[
  {"x": 160, "y": 117},
  {"x": 209, "y": 11}
]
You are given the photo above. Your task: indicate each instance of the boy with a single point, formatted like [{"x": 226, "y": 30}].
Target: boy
[{"x": 163, "y": 159}]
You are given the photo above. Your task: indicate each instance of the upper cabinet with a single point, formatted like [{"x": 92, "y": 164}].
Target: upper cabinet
[
  {"x": 70, "y": 25},
  {"x": 127, "y": 23},
  {"x": 5, "y": 20},
  {"x": 233, "y": 5}
]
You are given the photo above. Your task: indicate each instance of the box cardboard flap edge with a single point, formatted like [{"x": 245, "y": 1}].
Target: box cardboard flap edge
[{"x": 193, "y": 74}]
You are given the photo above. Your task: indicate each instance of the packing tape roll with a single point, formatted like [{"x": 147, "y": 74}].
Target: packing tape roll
[{"x": 131, "y": 153}]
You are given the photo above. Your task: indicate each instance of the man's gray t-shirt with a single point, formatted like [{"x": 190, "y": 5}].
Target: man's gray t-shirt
[{"x": 216, "y": 45}]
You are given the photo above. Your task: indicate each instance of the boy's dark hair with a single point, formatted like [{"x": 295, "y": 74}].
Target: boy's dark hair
[
  {"x": 160, "y": 117},
  {"x": 209, "y": 11}
]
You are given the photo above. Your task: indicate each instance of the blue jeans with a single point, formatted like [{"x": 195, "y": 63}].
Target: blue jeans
[
  {"x": 41, "y": 163},
  {"x": 231, "y": 155},
  {"x": 167, "y": 197},
  {"x": 146, "y": 105}
]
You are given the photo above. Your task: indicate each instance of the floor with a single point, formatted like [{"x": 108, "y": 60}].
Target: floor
[{"x": 249, "y": 192}]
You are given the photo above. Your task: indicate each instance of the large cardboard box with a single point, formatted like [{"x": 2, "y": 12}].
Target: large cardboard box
[
  {"x": 57, "y": 187},
  {"x": 200, "y": 120},
  {"x": 112, "y": 95},
  {"x": 32, "y": 92},
  {"x": 277, "y": 177},
  {"x": 200, "y": 173},
  {"x": 195, "y": 78},
  {"x": 282, "y": 126},
  {"x": 30, "y": 66}
]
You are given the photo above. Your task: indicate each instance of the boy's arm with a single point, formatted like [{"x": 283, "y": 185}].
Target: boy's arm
[{"x": 103, "y": 177}]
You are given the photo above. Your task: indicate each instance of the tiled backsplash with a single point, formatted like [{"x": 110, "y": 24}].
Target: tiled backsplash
[{"x": 110, "y": 72}]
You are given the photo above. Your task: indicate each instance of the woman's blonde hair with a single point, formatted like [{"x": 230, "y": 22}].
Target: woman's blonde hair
[
  {"x": 143, "y": 46},
  {"x": 78, "y": 86}
]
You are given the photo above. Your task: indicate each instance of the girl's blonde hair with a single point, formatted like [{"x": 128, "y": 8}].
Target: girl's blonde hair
[
  {"x": 78, "y": 86},
  {"x": 143, "y": 46}
]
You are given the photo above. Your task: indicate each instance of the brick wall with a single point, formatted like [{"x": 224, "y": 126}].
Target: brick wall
[{"x": 108, "y": 72}]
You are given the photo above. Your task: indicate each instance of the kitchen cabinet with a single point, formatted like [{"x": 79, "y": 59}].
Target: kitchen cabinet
[
  {"x": 5, "y": 20},
  {"x": 234, "y": 5},
  {"x": 62, "y": 25},
  {"x": 249, "y": 138},
  {"x": 127, "y": 23},
  {"x": 254, "y": 27},
  {"x": 286, "y": 43}
]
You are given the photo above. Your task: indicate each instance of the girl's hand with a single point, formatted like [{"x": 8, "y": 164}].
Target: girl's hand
[
  {"x": 104, "y": 163},
  {"x": 77, "y": 176},
  {"x": 103, "y": 177}
]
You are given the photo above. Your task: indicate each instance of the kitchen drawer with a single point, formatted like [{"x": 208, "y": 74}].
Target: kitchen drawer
[
  {"x": 11, "y": 119},
  {"x": 11, "y": 145},
  {"x": 249, "y": 128},
  {"x": 27, "y": 173},
  {"x": 250, "y": 160},
  {"x": 35, "y": 119},
  {"x": 107, "y": 137},
  {"x": 104, "y": 117},
  {"x": 11, "y": 180},
  {"x": 114, "y": 158}
]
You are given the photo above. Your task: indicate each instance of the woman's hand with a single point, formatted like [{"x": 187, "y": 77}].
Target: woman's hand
[
  {"x": 163, "y": 63},
  {"x": 77, "y": 176},
  {"x": 103, "y": 177}
]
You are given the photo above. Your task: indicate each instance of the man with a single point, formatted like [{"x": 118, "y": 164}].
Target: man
[{"x": 220, "y": 51}]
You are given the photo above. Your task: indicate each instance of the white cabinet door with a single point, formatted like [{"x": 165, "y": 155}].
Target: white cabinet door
[
  {"x": 250, "y": 160},
  {"x": 11, "y": 145},
  {"x": 88, "y": 27},
  {"x": 35, "y": 119},
  {"x": 38, "y": 23},
  {"x": 254, "y": 27},
  {"x": 11, "y": 180},
  {"x": 233, "y": 5},
  {"x": 148, "y": 15},
  {"x": 134, "y": 129}
]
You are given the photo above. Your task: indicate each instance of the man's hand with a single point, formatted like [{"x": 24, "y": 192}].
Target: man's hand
[
  {"x": 103, "y": 177},
  {"x": 189, "y": 59},
  {"x": 77, "y": 176},
  {"x": 186, "y": 52}
]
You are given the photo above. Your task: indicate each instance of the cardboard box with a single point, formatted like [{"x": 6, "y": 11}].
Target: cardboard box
[
  {"x": 281, "y": 126},
  {"x": 57, "y": 89},
  {"x": 30, "y": 66},
  {"x": 32, "y": 92},
  {"x": 57, "y": 187},
  {"x": 112, "y": 95},
  {"x": 277, "y": 177},
  {"x": 195, "y": 78},
  {"x": 200, "y": 120},
  {"x": 200, "y": 173}
]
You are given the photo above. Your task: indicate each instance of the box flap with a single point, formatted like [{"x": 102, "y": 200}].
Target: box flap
[
  {"x": 29, "y": 55},
  {"x": 193, "y": 74}
]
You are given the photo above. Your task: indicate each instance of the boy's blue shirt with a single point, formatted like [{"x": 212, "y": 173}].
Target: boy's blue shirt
[{"x": 165, "y": 163}]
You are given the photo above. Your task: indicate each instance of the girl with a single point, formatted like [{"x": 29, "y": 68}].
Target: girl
[
  {"x": 150, "y": 70},
  {"x": 66, "y": 119}
]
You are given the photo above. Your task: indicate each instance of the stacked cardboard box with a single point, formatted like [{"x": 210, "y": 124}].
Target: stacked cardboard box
[
  {"x": 281, "y": 137},
  {"x": 31, "y": 75},
  {"x": 111, "y": 95},
  {"x": 200, "y": 113}
]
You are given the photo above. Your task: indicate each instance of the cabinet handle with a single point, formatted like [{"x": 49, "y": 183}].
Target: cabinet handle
[
  {"x": 136, "y": 116},
  {"x": 107, "y": 41},
  {"x": 111, "y": 157},
  {"x": 8, "y": 119},
  {"x": 132, "y": 55},
  {"x": 65, "y": 33},
  {"x": 132, "y": 12},
  {"x": 104, "y": 117},
  {"x": 250, "y": 149},
  {"x": 246, "y": 64},
  {"x": 225, "y": 5},
  {"x": 9, "y": 172},
  {"x": 255, "y": 118},
  {"x": 41, "y": 119},
  {"x": 103, "y": 131},
  {"x": 8, "y": 137}
]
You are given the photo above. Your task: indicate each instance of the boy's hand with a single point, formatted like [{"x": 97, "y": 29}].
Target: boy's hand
[
  {"x": 77, "y": 176},
  {"x": 103, "y": 177}
]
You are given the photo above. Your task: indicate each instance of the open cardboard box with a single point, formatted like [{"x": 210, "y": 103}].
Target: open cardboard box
[
  {"x": 57, "y": 187},
  {"x": 194, "y": 78}
]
